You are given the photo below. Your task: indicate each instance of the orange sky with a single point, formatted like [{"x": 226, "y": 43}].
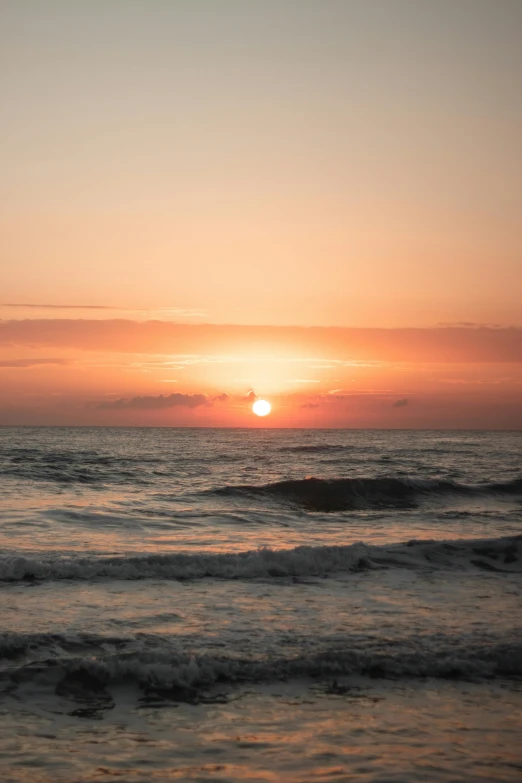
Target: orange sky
[
  {"x": 316, "y": 201},
  {"x": 125, "y": 372}
]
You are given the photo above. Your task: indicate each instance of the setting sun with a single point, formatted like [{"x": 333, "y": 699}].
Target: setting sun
[{"x": 261, "y": 408}]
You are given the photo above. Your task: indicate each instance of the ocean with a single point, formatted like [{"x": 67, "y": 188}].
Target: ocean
[{"x": 260, "y": 605}]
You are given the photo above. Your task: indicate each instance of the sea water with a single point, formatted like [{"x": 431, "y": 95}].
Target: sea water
[{"x": 260, "y": 605}]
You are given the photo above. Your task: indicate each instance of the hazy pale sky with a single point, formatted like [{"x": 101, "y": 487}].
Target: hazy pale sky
[
  {"x": 318, "y": 202},
  {"x": 331, "y": 162}
]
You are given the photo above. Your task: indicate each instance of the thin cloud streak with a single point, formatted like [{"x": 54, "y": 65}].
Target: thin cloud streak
[
  {"x": 189, "y": 312},
  {"x": 27, "y": 363},
  {"x": 57, "y": 306}
]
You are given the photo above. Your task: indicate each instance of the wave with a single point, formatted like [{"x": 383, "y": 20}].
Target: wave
[
  {"x": 345, "y": 494},
  {"x": 314, "y": 448},
  {"x": 182, "y": 674},
  {"x": 503, "y": 555},
  {"x": 74, "y": 467},
  {"x": 260, "y": 563},
  {"x": 14, "y": 645}
]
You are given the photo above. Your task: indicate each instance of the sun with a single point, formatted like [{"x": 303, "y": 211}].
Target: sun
[{"x": 261, "y": 408}]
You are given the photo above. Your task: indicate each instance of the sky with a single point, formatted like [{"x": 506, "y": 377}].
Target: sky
[{"x": 313, "y": 201}]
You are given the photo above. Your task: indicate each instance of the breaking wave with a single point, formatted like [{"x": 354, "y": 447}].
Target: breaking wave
[
  {"x": 344, "y": 494},
  {"x": 501, "y": 555},
  {"x": 182, "y": 674},
  {"x": 260, "y": 563}
]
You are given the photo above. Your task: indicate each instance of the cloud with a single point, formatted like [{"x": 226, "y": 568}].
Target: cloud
[
  {"x": 221, "y": 397},
  {"x": 470, "y": 325},
  {"x": 400, "y": 403},
  {"x": 310, "y": 405},
  {"x": 57, "y": 306},
  {"x": 45, "y": 306},
  {"x": 251, "y": 396},
  {"x": 24, "y": 363},
  {"x": 440, "y": 345},
  {"x": 157, "y": 403}
]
